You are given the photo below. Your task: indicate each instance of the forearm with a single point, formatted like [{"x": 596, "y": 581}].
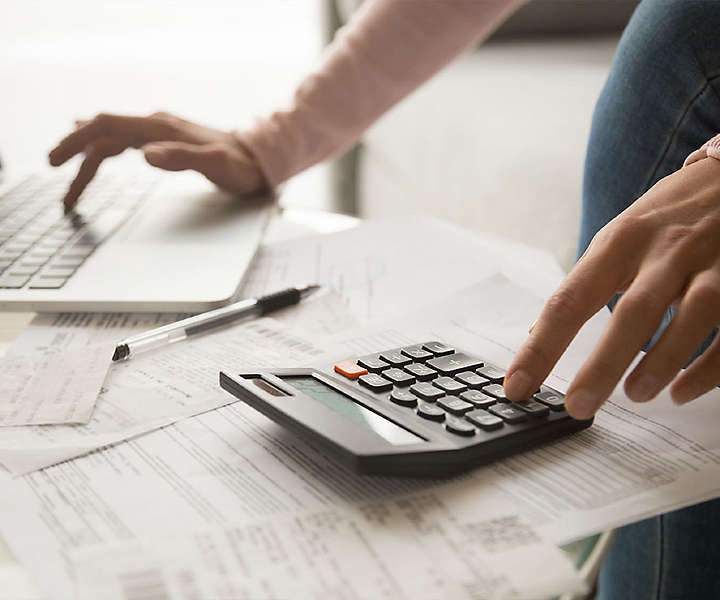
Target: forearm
[{"x": 387, "y": 50}]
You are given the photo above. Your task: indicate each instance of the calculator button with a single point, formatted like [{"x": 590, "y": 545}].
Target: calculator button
[
  {"x": 534, "y": 409},
  {"x": 508, "y": 413},
  {"x": 403, "y": 398},
  {"x": 350, "y": 369},
  {"x": 472, "y": 380},
  {"x": 455, "y": 406},
  {"x": 478, "y": 399},
  {"x": 491, "y": 373},
  {"x": 484, "y": 420},
  {"x": 422, "y": 372},
  {"x": 431, "y": 412},
  {"x": 459, "y": 427},
  {"x": 449, "y": 385},
  {"x": 398, "y": 376},
  {"x": 454, "y": 363},
  {"x": 375, "y": 382},
  {"x": 554, "y": 400},
  {"x": 496, "y": 390},
  {"x": 396, "y": 359},
  {"x": 417, "y": 353},
  {"x": 438, "y": 348},
  {"x": 426, "y": 391},
  {"x": 373, "y": 364}
]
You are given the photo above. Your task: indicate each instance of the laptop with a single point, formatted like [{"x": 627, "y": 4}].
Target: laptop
[{"x": 145, "y": 241}]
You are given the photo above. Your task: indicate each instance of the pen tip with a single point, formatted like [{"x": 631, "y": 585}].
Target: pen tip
[{"x": 121, "y": 351}]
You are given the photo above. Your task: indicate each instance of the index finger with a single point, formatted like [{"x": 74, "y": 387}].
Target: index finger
[
  {"x": 131, "y": 131},
  {"x": 588, "y": 287}
]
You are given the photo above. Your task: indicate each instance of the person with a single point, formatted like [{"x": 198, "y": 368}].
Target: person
[{"x": 650, "y": 233}]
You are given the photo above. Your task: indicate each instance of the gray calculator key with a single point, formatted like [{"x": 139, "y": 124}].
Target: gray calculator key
[
  {"x": 484, "y": 420},
  {"x": 478, "y": 399},
  {"x": 13, "y": 282},
  {"x": 373, "y": 364},
  {"x": 534, "y": 409},
  {"x": 438, "y": 348},
  {"x": 472, "y": 380},
  {"x": 417, "y": 353},
  {"x": 422, "y": 372},
  {"x": 496, "y": 390},
  {"x": 396, "y": 359},
  {"x": 455, "y": 406},
  {"x": 554, "y": 400},
  {"x": 403, "y": 398},
  {"x": 47, "y": 283},
  {"x": 491, "y": 373},
  {"x": 431, "y": 412},
  {"x": 459, "y": 427},
  {"x": 398, "y": 376},
  {"x": 426, "y": 391},
  {"x": 375, "y": 382},
  {"x": 449, "y": 385},
  {"x": 508, "y": 413},
  {"x": 454, "y": 363}
]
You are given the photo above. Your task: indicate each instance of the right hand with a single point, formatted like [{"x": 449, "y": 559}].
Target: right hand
[{"x": 168, "y": 142}]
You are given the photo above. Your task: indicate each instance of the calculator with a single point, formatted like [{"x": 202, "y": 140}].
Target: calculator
[{"x": 423, "y": 410}]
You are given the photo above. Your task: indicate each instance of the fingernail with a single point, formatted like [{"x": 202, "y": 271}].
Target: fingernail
[
  {"x": 686, "y": 394},
  {"x": 581, "y": 404},
  {"x": 644, "y": 388},
  {"x": 154, "y": 151},
  {"x": 518, "y": 386}
]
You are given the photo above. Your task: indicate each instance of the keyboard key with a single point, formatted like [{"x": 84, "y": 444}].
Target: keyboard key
[
  {"x": 478, "y": 399},
  {"x": 417, "y": 353},
  {"x": 47, "y": 283},
  {"x": 67, "y": 262},
  {"x": 484, "y": 420},
  {"x": 508, "y": 413},
  {"x": 554, "y": 400},
  {"x": 496, "y": 390},
  {"x": 438, "y": 348},
  {"x": 54, "y": 271},
  {"x": 375, "y": 382},
  {"x": 398, "y": 377},
  {"x": 422, "y": 372},
  {"x": 449, "y": 385},
  {"x": 459, "y": 427},
  {"x": 454, "y": 363},
  {"x": 77, "y": 252},
  {"x": 347, "y": 368},
  {"x": 427, "y": 391},
  {"x": 373, "y": 364},
  {"x": 396, "y": 359},
  {"x": 491, "y": 373},
  {"x": 431, "y": 412},
  {"x": 13, "y": 282},
  {"x": 4, "y": 264},
  {"x": 470, "y": 379},
  {"x": 33, "y": 261},
  {"x": 403, "y": 398},
  {"x": 534, "y": 409},
  {"x": 23, "y": 270},
  {"x": 455, "y": 406}
]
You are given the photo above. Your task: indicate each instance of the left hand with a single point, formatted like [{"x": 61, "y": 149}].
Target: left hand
[{"x": 663, "y": 250}]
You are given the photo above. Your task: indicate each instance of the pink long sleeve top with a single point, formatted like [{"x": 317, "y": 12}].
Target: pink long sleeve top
[{"x": 386, "y": 51}]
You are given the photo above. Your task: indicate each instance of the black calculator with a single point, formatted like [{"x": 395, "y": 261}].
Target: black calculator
[{"x": 424, "y": 410}]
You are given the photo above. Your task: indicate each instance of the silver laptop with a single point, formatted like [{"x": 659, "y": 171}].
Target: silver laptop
[{"x": 151, "y": 241}]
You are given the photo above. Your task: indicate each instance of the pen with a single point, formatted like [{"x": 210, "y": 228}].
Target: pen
[{"x": 174, "y": 332}]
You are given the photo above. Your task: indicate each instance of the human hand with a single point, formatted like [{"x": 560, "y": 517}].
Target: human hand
[
  {"x": 663, "y": 250},
  {"x": 168, "y": 142}
]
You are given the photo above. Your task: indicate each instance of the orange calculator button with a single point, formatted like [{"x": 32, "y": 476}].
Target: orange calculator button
[{"x": 350, "y": 369}]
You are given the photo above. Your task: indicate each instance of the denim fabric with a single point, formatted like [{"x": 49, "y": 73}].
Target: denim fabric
[{"x": 661, "y": 101}]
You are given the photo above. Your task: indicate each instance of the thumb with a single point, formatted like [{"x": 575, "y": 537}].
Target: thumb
[{"x": 223, "y": 165}]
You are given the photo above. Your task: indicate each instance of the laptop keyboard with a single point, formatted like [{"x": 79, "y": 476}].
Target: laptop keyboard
[{"x": 41, "y": 246}]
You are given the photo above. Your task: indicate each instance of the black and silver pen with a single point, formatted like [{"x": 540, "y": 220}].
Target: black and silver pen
[{"x": 174, "y": 332}]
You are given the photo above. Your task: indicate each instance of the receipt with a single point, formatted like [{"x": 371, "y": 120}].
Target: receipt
[
  {"x": 52, "y": 386},
  {"x": 439, "y": 543}
]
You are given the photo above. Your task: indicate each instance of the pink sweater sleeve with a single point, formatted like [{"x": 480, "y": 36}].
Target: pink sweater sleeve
[{"x": 387, "y": 50}]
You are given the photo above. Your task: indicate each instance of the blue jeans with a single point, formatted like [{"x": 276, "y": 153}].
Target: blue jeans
[{"x": 661, "y": 101}]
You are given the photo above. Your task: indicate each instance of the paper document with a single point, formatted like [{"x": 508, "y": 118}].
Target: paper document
[
  {"x": 435, "y": 544},
  {"x": 155, "y": 389},
  {"x": 53, "y": 385}
]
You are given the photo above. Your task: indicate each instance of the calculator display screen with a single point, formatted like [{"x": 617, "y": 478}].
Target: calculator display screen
[{"x": 356, "y": 413}]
